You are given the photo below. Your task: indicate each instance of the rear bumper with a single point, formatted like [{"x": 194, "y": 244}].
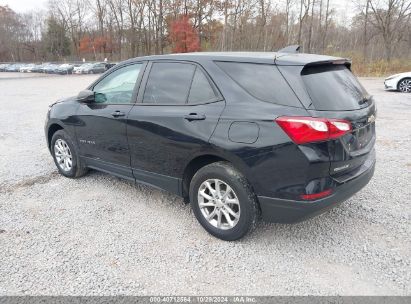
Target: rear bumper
[{"x": 288, "y": 211}]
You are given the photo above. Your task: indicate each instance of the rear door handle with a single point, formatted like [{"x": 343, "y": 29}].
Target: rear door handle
[
  {"x": 194, "y": 116},
  {"x": 118, "y": 114}
]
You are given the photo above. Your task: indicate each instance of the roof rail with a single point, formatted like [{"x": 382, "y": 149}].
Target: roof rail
[{"x": 290, "y": 49}]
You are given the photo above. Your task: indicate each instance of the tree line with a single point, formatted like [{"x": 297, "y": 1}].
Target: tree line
[{"x": 368, "y": 30}]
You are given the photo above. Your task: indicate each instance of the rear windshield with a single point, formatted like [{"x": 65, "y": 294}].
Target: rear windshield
[
  {"x": 262, "y": 81},
  {"x": 334, "y": 88}
]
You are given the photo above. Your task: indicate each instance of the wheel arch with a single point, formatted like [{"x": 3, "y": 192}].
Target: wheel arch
[
  {"x": 199, "y": 161},
  {"x": 53, "y": 128}
]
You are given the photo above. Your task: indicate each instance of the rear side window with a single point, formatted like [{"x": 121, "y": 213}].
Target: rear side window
[
  {"x": 262, "y": 81},
  {"x": 333, "y": 88},
  {"x": 168, "y": 83}
]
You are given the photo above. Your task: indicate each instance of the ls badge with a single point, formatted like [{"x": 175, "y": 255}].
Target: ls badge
[{"x": 88, "y": 142}]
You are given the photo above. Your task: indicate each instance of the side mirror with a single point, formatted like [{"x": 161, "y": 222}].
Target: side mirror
[{"x": 86, "y": 96}]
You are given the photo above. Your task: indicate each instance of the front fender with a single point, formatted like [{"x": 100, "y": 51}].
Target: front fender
[{"x": 61, "y": 115}]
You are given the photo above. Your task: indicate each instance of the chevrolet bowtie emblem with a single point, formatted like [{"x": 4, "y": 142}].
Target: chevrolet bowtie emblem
[{"x": 371, "y": 118}]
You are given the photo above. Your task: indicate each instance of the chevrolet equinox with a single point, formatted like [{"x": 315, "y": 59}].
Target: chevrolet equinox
[{"x": 282, "y": 136}]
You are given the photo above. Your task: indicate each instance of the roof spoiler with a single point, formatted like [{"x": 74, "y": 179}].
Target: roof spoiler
[
  {"x": 290, "y": 49},
  {"x": 344, "y": 61}
]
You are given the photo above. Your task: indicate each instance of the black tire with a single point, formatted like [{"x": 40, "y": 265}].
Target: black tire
[
  {"x": 250, "y": 211},
  {"x": 404, "y": 85},
  {"x": 78, "y": 168}
]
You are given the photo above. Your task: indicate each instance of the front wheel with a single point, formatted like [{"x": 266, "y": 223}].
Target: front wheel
[
  {"x": 66, "y": 156},
  {"x": 405, "y": 85},
  {"x": 223, "y": 201}
]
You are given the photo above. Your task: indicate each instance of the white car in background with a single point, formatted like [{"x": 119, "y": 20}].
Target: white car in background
[
  {"x": 400, "y": 82},
  {"x": 79, "y": 69},
  {"x": 27, "y": 68}
]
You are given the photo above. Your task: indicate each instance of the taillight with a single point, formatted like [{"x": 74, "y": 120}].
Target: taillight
[
  {"x": 338, "y": 128},
  {"x": 303, "y": 129},
  {"x": 310, "y": 197}
]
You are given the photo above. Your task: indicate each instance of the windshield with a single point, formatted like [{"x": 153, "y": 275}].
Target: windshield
[{"x": 334, "y": 88}]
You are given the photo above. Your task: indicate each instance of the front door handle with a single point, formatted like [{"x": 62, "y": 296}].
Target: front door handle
[
  {"x": 194, "y": 116},
  {"x": 118, "y": 114}
]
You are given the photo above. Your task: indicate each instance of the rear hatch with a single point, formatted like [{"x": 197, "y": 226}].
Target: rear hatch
[{"x": 333, "y": 92}]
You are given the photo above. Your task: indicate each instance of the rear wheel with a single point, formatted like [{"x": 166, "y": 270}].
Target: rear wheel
[
  {"x": 66, "y": 156},
  {"x": 223, "y": 201},
  {"x": 405, "y": 85}
]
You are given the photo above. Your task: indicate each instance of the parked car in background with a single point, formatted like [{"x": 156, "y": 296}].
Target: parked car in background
[
  {"x": 13, "y": 67},
  {"x": 3, "y": 66},
  {"x": 399, "y": 82},
  {"x": 58, "y": 68},
  {"x": 50, "y": 68},
  {"x": 79, "y": 69},
  {"x": 33, "y": 68},
  {"x": 94, "y": 68},
  {"x": 27, "y": 68},
  {"x": 38, "y": 68},
  {"x": 234, "y": 134},
  {"x": 44, "y": 67},
  {"x": 65, "y": 69},
  {"x": 76, "y": 66}
]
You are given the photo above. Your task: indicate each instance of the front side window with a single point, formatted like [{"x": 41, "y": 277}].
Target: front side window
[
  {"x": 118, "y": 86},
  {"x": 168, "y": 83}
]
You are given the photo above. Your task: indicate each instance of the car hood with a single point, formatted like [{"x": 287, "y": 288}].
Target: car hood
[
  {"x": 405, "y": 74},
  {"x": 68, "y": 99}
]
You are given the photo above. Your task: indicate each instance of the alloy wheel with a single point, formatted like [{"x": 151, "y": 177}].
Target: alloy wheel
[
  {"x": 219, "y": 204},
  {"x": 63, "y": 155},
  {"x": 405, "y": 86}
]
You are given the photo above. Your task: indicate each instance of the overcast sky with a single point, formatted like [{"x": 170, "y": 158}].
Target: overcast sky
[
  {"x": 345, "y": 8},
  {"x": 22, "y": 6}
]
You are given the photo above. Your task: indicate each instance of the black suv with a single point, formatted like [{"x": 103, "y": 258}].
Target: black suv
[{"x": 238, "y": 135}]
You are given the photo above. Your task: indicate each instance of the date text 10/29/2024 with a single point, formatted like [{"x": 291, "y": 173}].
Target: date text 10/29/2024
[{"x": 203, "y": 299}]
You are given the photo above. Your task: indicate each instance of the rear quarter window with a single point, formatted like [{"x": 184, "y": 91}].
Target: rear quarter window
[
  {"x": 262, "y": 81},
  {"x": 201, "y": 90}
]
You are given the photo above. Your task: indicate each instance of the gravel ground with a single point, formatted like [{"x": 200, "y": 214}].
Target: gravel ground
[{"x": 100, "y": 235}]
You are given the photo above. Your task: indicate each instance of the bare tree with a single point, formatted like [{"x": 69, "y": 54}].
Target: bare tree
[
  {"x": 310, "y": 30},
  {"x": 391, "y": 18},
  {"x": 304, "y": 9},
  {"x": 119, "y": 29},
  {"x": 326, "y": 25},
  {"x": 117, "y": 11}
]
